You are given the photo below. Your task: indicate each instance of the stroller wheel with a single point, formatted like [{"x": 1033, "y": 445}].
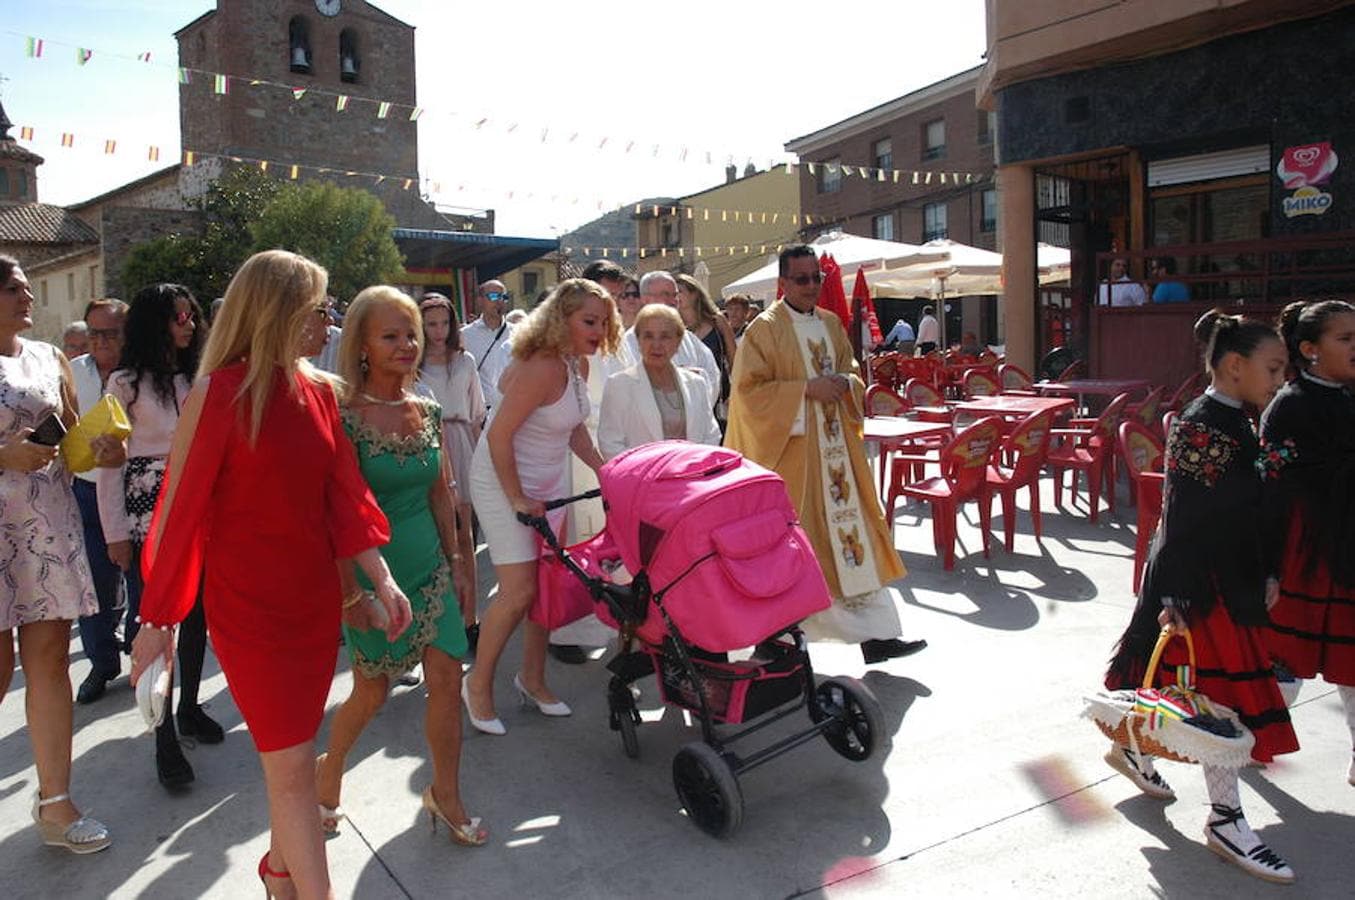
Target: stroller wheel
[
  {"x": 858, "y": 726},
  {"x": 708, "y": 789},
  {"x": 624, "y": 717}
]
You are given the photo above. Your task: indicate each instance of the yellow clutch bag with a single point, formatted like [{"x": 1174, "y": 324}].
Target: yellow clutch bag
[{"x": 107, "y": 417}]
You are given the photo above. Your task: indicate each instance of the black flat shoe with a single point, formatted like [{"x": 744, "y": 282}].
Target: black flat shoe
[
  {"x": 472, "y": 638},
  {"x": 569, "y": 654},
  {"x": 171, "y": 767},
  {"x": 878, "y": 651},
  {"x": 195, "y": 723},
  {"x": 93, "y": 687}
]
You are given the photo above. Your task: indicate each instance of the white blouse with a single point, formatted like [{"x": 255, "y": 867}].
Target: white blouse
[{"x": 153, "y": 424}]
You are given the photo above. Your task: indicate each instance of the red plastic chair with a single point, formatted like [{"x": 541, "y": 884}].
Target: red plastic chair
[
  {"x": 1142, "y": 452},
  {"x": 881, "y": 400},
  {"x": 884, "y": 369},
  {"x": 1074, "y": 370},
  {"x": 920, "y": 393},
  {"x": 1091, "y": 451},
  {"x": 1168, "y": 419},
  {"x": 1014, "y": 378},
  {"x": 964, "y": 476},
  {"x": 1148, "y": 411},
  {"x": 1026, "y": 447},
  {"x": 1183, "y": 394},
  {"x": 980, "y": 383}
]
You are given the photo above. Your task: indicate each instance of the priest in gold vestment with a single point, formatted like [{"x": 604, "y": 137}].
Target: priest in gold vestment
[{"x": 795, "y": 407}]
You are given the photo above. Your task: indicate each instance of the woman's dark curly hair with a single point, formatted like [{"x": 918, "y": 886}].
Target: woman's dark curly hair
[{"x": 148, "y": 347}]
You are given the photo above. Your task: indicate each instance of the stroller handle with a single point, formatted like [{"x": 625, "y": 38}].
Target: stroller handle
[{"x": 541, "y": 525}]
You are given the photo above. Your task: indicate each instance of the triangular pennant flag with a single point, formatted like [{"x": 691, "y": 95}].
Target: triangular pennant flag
[
  {"x": 408, "y": 182},
  {"x": 188, "y": 157},
  {"x": 415, "y": 113},
  {"x": 383, "y": 109},
  {"x": 33, "y": 48},
  {"x": 144, "y": 57},
  {"x": 67, "y": 139},
  {"x": 341, "y": 104},
  {"x": 298, "y": 93},
  {"x": 83, "y": 55},
  {"x": 295, "y": 170},
  {"x": 185, "y": 75},
  {"x": 221, "y": 84},
  {"x": 26, "y": 133},
  {"x": 110, "y": 147},
  {"x": 154, "y": 154}
]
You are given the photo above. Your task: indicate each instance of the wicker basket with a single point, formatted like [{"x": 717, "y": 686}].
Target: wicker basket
[{"x": 1120, "y": 717}]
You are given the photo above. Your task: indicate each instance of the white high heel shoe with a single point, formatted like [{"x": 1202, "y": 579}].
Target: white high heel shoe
[
  {"x": 488, "y": 726},
  {"x": 558, "y": 708}
]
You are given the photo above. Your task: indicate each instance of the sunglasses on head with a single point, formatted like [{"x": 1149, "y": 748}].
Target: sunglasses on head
[
  {"x": 183, "y": 317},
  {"x": 803, "y": 280}
]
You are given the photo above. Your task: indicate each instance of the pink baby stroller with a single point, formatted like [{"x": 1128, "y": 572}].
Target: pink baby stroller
[{"x": 703, "y": 555}]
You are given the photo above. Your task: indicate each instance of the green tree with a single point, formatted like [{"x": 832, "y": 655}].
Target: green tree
[
  {"x": 346, "y": 230},
  {"x": 205, "y": 262}
]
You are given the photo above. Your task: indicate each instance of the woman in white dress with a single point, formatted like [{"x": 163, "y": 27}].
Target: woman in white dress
[
  {"x": 655, "y": 400},
  {"x": 44, "y": 574},
  {"x": 523, "y": 460},
  {"x": 448, "y": 372}
]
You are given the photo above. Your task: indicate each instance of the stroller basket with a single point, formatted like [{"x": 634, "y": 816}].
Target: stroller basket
[{"x": 735, "y": 692}]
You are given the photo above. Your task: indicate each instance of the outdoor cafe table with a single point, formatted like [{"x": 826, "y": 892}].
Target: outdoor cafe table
[
  {"x": 1014, "y": 406},
  {"x": 1098, "y": 387},
  {"x": 887, "y": 430}
]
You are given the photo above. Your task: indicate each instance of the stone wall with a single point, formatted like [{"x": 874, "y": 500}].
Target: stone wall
[{"x": 124, "y": 227}]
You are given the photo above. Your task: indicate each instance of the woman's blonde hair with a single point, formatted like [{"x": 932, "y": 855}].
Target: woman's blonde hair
[
  {"x": 662, "y": 311},
  {"x": 266, "y": 309},
  {"x": 547, "y": 327},
  {"x": 360, "y": 310},
  {"x": 704, "y": 307}
]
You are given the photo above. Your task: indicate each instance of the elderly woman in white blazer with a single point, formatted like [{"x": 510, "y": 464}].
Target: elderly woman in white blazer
[{"x": 654, "y": 400}]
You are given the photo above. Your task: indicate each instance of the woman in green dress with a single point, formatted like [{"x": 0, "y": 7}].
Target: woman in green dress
[{"x": 398, "y": 436}]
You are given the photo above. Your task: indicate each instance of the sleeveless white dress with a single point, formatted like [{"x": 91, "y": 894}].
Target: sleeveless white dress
[
  {"x": 44, "y": 573},
  {"x": 541, "y": 450}
]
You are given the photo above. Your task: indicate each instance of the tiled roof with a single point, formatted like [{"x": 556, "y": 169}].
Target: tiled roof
[
  {"x": 9, "y": 149},
  {"x": 43, "y": 223}
]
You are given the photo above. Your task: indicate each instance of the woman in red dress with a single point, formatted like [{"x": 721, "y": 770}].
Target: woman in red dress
[{"x": 263, "y": 495}]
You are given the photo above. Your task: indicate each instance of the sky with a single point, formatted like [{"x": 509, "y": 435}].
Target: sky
[{"x": 548, "y": 82}]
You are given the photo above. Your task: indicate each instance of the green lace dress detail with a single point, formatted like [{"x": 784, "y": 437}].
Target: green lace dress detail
[{"x": 400, "y": 469}]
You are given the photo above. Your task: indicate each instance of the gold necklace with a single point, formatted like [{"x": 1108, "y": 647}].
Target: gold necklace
[{"x": 404, "y": 397}]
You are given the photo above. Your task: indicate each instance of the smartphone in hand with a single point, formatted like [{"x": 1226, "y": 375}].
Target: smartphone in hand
[{"x": 49, "y": 432}]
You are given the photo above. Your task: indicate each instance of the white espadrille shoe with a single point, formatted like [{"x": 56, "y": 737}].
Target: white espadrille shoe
[{"x": 1229, "y": 835}]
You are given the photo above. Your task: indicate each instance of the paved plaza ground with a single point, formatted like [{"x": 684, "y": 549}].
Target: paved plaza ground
[{"x": 993, "y": 785}]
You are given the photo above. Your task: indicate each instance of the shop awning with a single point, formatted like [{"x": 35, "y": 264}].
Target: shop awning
[{"x": 488, "y": 254}]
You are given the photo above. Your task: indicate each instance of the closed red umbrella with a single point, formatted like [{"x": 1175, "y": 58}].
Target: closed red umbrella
[
  {"x": 831, "y": 295},
  {"x": 861, "y": 295}
]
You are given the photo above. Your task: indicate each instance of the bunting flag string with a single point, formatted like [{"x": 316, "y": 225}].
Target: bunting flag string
[{"x": 547, "y": 133}]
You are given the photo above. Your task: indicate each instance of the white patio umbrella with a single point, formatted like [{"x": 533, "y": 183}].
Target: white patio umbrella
[{"x": 851, "y": 251}]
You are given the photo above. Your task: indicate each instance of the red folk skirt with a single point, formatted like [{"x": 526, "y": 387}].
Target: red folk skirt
[
  {"x": 1313, "y": 625},
  {"x": 1233, "y": 668}
]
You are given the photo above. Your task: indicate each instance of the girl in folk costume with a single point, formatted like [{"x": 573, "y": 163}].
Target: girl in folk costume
[
  {"x": 1207, "y": 570},
  {"x": 1308, "y": 438}
]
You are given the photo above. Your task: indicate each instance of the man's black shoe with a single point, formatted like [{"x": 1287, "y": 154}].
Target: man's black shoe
[
  {"x": 569, "y": 654},
  {"x": 198, "y": 725},
  {"x": 878, "y": 651},
  {"x": 93, "y": 687},
  {"x": 171, "y": 767}
]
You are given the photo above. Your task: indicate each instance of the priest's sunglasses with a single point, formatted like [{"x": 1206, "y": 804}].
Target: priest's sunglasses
[{"x": 803, "y": 280}]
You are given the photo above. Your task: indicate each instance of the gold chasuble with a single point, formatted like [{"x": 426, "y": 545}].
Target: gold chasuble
[{"x": 818, "y": 450}]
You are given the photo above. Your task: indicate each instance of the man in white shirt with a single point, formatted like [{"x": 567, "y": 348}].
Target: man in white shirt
[
  {"x": 659, "y": 287},
  {"x": 98, "y": 633},
  {"x": 1121, "y": 290},
  {"x": 928, "y": 331},
  {"x": 485, "y": 338}
]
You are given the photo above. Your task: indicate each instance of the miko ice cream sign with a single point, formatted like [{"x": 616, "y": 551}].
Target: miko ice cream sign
[{"x": 1305, "y": 169}]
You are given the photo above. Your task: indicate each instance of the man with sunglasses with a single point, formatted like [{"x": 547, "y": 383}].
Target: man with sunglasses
[
  {"x": 98, "y": 633},
  {"x": 795, "y": 407},
  {"x": 484, "y": 339}
]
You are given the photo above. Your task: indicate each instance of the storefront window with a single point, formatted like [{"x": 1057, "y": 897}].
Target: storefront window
[{"x": 1204, "y": 216}]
